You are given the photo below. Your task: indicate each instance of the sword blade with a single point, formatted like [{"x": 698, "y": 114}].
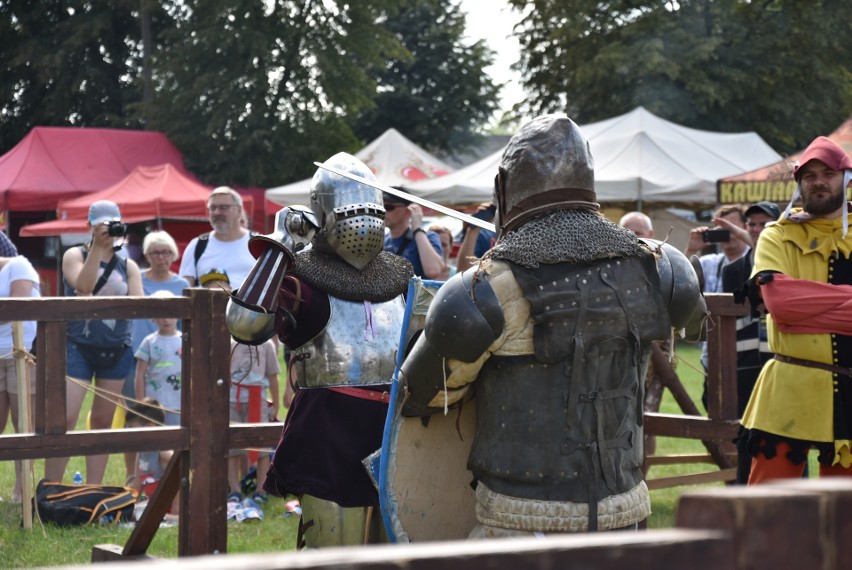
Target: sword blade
[{"x": 412, "y": 198}]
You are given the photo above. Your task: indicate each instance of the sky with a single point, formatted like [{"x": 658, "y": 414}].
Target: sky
[{"x": 492, "y": 20}]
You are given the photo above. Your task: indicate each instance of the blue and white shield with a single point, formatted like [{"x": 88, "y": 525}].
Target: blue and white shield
[{"x": 424, "y": 485}]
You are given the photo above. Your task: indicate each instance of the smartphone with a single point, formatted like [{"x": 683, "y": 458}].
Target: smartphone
[
  {"x": 487, "y": 214},
  {"x": 717, "y": 236}
]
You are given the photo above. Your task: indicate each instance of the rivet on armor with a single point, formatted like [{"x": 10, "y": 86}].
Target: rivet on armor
[
  {"x": 547, "y": 307},
  {"x": 554, "y": 283}
]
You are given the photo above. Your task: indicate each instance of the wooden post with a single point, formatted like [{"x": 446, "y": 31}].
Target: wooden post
[
  {"x": 722, "y": 356},
  {"x": 24, "y": 423},
  {"x": 205, "y": 411}
]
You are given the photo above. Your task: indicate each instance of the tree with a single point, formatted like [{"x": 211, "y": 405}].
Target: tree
[
  {"x": 253, "y": 92},
  {"x": 777, "y": 67},
  {"x": 65, "y": 63},
  {"x": 437, "y": 92}
]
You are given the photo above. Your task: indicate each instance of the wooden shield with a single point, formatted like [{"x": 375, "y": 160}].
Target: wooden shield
[{"x": 424, "y": 484}]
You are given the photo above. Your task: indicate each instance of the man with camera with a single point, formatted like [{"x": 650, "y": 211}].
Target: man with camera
[
  {"x": 97, "y": 349},
  {"x": 730, "y": 235}
]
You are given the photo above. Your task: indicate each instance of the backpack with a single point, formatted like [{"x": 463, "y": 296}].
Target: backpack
[
  {"x": 69, "y": 505},
  {"x": 201, "y": 245}
]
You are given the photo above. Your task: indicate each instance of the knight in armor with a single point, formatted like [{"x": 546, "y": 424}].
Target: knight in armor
[
  {"x": 552, "y": 330},
  {"x": 324, "y": 285}
]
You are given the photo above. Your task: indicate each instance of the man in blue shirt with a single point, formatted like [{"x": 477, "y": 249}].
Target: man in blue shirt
[{"x": 406, "y": 237}]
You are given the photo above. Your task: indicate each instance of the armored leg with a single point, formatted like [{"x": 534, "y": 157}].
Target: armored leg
[{"x": 325, "y": 524}]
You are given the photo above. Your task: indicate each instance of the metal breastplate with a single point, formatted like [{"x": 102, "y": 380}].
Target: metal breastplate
[
  {"x": 352, "y": 350},
  {"x": 565, "y": 424}
]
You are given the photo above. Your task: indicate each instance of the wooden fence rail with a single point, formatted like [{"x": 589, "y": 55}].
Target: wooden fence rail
[{"x": 202, "y": 441}]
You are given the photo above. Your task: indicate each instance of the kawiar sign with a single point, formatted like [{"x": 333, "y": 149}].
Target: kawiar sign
[{"x": 750, "y": 191}]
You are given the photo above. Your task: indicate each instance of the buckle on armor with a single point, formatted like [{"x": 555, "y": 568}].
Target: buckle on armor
[{"x": 589, "y": 398}]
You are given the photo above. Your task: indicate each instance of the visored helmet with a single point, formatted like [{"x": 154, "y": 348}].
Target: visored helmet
[
  {"x": 350, "y": 214},
  {"x": 546, "y": 166}
]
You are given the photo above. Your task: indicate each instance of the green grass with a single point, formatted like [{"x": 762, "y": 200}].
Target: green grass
[{"x": 53, "y": 546}]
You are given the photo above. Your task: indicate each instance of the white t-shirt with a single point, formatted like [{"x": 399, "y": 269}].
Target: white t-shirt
[
  {"x": 164, "y": 355},
  {"x": 232, "y": 256},
  {"x": 252, "y": 366},
  {"x": 17, "y": 269}
]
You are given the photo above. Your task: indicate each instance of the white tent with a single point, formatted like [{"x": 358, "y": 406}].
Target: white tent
[
  {"x": 639, "y": 159},
  {"x": 394, "y": 160}
]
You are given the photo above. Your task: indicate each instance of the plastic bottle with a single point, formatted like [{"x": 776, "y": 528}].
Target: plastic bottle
[{"x": 78, "y": 478}]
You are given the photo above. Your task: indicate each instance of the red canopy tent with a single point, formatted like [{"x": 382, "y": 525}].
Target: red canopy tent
[
  {"x": 52, "y": 163},
  {"x": 148, "y": 193},
  {"x": 773, "y": 183}
]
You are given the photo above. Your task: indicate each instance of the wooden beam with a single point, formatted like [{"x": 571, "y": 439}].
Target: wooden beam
[
  {"x": 650, "y": 550},
  {"x": 83, "y": 308},
  {"x": 680, "y": 459},
  {"x": 158, "y": 505},
  {"x": 692, "y": 427},
  {"x": 93, "y": 442},
  {"x": 729, "y": 474}
]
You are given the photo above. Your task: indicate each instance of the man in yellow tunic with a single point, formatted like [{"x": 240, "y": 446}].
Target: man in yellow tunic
[{"x": 803, "y": 397}]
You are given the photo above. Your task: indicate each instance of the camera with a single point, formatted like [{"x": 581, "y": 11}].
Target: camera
[
  {"x": 487, "y": 214},
  {"x": 717, "y": 236},
  {"x": 116, "y": 228}
]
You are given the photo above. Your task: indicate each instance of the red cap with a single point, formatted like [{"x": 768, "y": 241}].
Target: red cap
[{"x": 826, "y": 151}]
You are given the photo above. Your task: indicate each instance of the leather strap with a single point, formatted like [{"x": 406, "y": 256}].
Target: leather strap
[
  {"x": 363, "y": 393},
  {"x": 814, "y": 364}
]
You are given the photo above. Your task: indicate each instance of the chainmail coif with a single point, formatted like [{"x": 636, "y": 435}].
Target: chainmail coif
[
  {"x": 577, "y": 236},
  {"x": 381, "y": 280}
]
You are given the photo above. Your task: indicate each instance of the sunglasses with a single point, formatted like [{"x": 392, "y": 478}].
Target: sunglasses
[{"x": 391, "y": 207}]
